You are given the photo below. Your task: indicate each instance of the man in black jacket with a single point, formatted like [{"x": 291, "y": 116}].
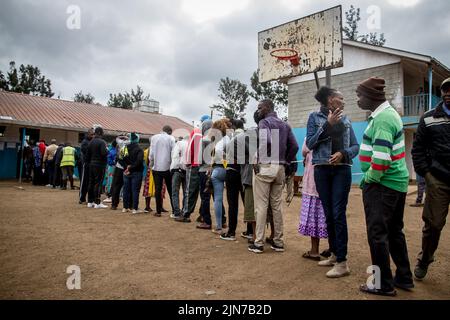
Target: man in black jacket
[
  {"x": 431, "y": 154},
  {"x": 96, "y": 156},
  {"x": 84, "y": 175}
]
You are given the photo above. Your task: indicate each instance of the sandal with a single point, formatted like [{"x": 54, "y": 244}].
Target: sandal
[
  {"x": 307, "y": 255},
  {"x": 366, "y": 289}
]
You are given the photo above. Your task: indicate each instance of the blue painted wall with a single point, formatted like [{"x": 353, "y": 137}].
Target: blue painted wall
[
  {"x": 358, "y": 127},
  {"x": 8, "y": 161}
]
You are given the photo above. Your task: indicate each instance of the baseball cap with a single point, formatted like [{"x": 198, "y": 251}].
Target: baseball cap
[
  {"x": 445, "y": 83},
  {"x": 204, "y": 118}
]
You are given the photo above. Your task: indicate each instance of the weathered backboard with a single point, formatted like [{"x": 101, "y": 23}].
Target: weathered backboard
[{"x": 306, "y": 45}]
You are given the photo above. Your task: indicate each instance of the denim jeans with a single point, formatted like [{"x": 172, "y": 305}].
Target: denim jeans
[
  {"x": 178, "y": 179},
  {"x": 218, "y": 177},
  {"x": 333, "y": 185},
  {"x": 192, "y": 190},
  {"x": 131, "y": 188}
]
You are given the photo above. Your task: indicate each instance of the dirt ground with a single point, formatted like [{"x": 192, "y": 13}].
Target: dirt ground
[{"x": 43, "y": 231}]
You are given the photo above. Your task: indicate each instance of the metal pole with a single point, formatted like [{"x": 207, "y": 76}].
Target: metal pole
[
  {"x": 21, "y": 154},
  {"x": 317, "y": 80},
  {"x": 430, "y": 87},
  {"x": 328, "y": 77}
]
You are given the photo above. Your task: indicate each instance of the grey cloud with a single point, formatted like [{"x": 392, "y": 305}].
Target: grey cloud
[{"x": 120, "y": 44}]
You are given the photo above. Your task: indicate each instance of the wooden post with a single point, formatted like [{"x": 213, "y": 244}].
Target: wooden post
[
  {"x": 430, "y": 87},
  {"x": 21, "y": 154}
]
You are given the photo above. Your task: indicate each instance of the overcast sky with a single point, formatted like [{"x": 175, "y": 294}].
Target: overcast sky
[{"x": 177, "y": 50}]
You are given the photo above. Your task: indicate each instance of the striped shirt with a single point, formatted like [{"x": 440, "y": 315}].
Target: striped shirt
[{"x": 382, "y": 152}]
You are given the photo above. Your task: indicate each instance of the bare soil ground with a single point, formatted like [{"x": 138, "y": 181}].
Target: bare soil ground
[{"x": 43, "y": 231}]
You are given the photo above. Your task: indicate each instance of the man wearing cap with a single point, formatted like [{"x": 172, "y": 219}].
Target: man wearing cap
[
  {"x": 431, "y": 154},
  {"x": 384, "y": 184},
  {"x": 49, "y": 161}
]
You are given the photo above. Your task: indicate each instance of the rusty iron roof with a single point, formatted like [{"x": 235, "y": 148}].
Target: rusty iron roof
[{"x": 24, "y": 109}]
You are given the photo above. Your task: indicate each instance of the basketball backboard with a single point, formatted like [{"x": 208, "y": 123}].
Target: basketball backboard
[{"x": 306, "y": 45}]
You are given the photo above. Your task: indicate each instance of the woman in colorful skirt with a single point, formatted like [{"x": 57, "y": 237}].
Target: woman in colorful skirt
[
  {"x": 149, "y": 185},
  {"x": 312, "y": 217}
]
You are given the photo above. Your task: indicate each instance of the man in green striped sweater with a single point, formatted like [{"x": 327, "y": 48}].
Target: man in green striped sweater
[{"x": 385, "y": 183}]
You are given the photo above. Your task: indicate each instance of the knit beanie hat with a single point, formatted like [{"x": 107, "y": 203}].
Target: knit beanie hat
[{"x": 372, "y": 88}]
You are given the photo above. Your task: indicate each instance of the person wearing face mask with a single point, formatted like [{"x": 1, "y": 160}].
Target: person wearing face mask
[
  {"x": 384, "y": 187},
  {"x": 331, "y": 138}
]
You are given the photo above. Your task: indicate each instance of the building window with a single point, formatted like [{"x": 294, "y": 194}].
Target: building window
[{"x": 2, "y": 131}]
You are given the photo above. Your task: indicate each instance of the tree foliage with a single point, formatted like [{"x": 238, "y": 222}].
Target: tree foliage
[
  {"x": 352, "y": 18},
  {"x": 234, "y": 97},
  {"x": 84, "y": 98},
  {"x": 27, "y": 79},
  {"x": 125, "y": 100},
  {"x": 273, "y": 90}
]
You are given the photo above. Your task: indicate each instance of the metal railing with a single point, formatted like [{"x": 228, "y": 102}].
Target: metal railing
[{"x": 417, "y": 104}]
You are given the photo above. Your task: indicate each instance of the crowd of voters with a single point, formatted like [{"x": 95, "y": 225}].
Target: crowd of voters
[{"x": 254, "y": 166}]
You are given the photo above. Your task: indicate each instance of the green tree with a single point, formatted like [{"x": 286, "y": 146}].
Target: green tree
[
  {"x": 139, "y": 95},
  {"x": 125, "y": 100},
  {"x": 27, "y": 79},
  {"x": 350, "y": 31},
  {"x": 84, "y": 98},
  {"x": 234, "y": 97},
  {"x": 3, "y": 82},
  {"x": 273, "y": 90}
]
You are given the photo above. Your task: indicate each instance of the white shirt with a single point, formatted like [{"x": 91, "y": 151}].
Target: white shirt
[
  {"x": 179, "y": 155},
  {"x": 161, "y": 151},
  {"x": 220, "y": 149}
]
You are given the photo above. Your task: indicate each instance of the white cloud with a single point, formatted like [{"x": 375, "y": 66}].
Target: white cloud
[
  {"x": 205, "y": 10},
  {"x": 403, "y": 3}
]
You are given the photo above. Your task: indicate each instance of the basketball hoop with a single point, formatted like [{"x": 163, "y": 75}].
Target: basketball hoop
[{"x": 286, "y": 54}]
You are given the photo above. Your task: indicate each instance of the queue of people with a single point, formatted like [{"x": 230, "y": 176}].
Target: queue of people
[{"x": 252, "y": 166}]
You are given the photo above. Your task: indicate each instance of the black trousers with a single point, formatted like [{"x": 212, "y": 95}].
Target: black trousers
[
  {"x": 96, "y": 175},
  {"x": 160, "y": 177},
  {"x": 234, "y": 189},
  {"x": 50, "y": 169},
  {"x": 116, "y": 186},
  {"x": 84, "y": 183},
  {"x": 384, "y": 218},
  {"x": 57, "y": 176}
]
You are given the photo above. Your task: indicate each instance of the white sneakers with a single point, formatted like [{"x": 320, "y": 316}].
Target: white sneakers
[
  {"x": 107, "y": 200},
  {"x": 125, "y": 210},
  {"x": 96, "y": 206},
  {"x": 340, "y": 269},
  {"x": 328, "y": 262},
  {"x": 136, "y": 211}
]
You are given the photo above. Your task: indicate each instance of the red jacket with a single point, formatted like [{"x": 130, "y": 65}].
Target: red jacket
[{"x": 194, "y": 149}]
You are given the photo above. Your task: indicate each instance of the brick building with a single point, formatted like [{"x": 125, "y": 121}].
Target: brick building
[{"x": 412, "y": 87}]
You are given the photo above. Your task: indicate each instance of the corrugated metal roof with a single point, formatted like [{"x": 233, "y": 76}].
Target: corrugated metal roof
[{"x": 47, "y": 112}]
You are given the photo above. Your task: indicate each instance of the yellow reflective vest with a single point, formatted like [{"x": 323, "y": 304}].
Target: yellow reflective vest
[{"x": 68, "y": 157}]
